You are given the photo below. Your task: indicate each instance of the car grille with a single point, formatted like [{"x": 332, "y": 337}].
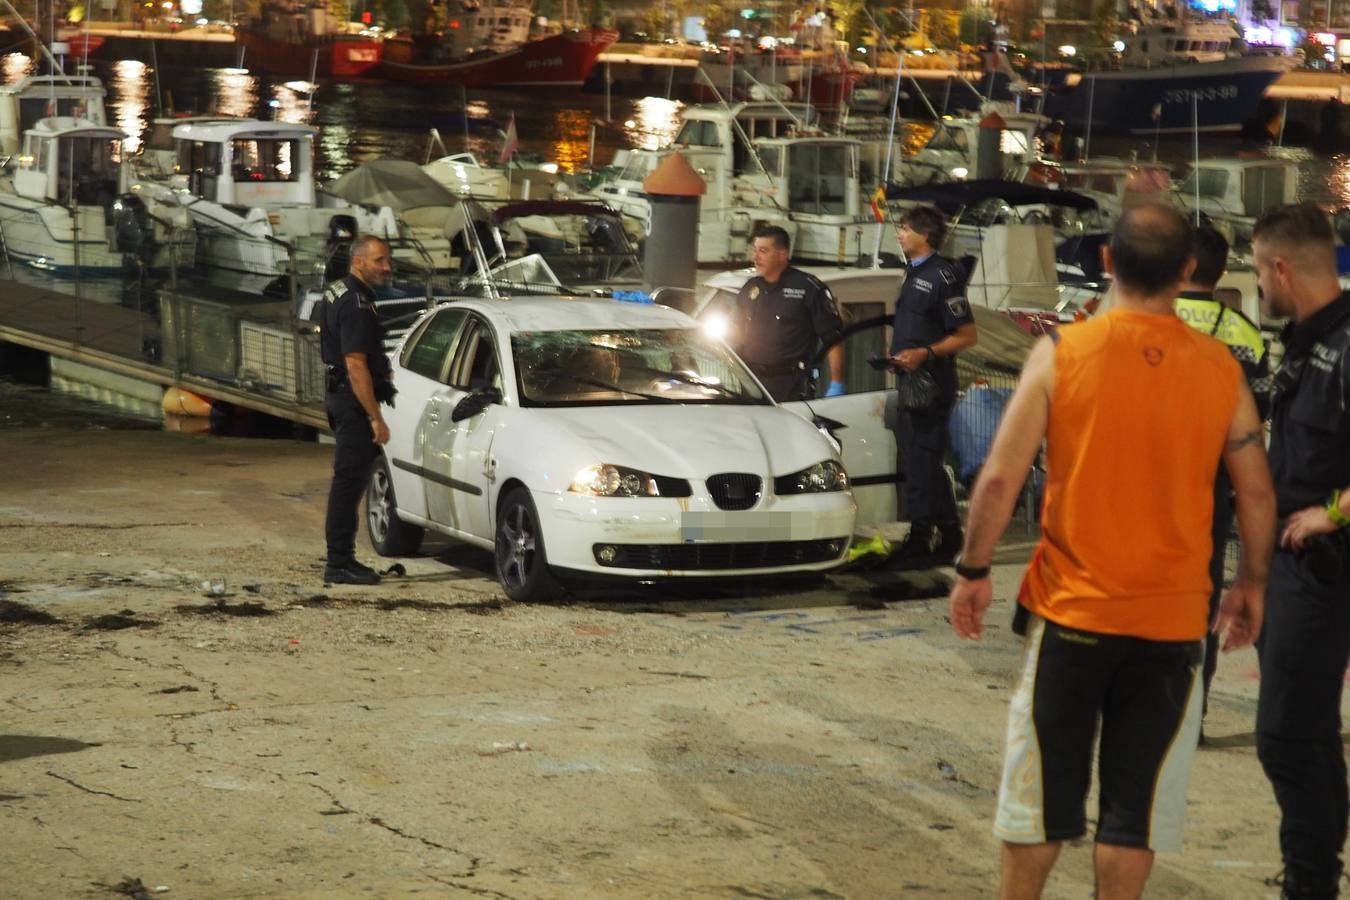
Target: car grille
[
  {"x": 735, "y": 490},
  {"x": 695, "y": 557}
]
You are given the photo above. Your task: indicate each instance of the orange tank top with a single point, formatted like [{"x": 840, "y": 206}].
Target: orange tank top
[{"x": 1140, "y": 412}]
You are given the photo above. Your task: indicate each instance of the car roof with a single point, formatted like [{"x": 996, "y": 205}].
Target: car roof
[{"x": 564, "y": 314}]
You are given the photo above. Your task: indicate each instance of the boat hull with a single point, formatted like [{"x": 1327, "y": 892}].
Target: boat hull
[
  {"x": 558, "y": 60},
  {"x": 1124, "y": 101},
  {"x": 337, "y": 57}
]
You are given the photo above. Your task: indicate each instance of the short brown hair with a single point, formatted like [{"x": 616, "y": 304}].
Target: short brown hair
[
  {"x": 775, "y": 233},
  {"x": 927, "y": 221}
]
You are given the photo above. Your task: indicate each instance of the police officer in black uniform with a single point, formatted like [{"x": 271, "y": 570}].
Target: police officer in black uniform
[
  {"x": 933, "y": 323},
  {"x": 1305, "y": 641},
  {"x": 783, "y": 317},
  {"x": 352, "y": 344}
]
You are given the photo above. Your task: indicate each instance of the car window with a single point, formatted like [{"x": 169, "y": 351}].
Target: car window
[
  {"x": 475, "y": 366},
  {"x": 428, "y": 350},
  {"x": 868, "y": 337},
  {"x": 595, "y": 367}
]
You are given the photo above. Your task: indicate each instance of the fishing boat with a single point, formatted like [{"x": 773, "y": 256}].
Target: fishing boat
[
  {"x": 299, "y": 39},
  {"x": 1175, "y": 75}
]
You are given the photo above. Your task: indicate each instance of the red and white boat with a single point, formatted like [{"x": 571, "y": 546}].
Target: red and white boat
[
  {"x": 486, "y": 43},
  {"x": 296, "y": 38}
]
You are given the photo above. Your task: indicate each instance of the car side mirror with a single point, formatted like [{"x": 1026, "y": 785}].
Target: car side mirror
[{"x": 472, "y": 404}]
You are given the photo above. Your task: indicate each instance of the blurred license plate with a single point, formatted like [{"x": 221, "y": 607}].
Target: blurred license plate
[{"x": 738, "y": 526}]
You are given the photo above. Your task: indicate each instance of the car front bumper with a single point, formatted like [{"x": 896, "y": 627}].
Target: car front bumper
[{"x": 690, "y": 537}]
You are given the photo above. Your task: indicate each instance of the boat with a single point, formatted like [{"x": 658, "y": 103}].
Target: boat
[
  {"x": 36, "y": 97},
  {"x": 1175, "y": 75},
  {"x": 249, "y": 189},
  {"x": 1234, "y": 192},
  {"x": 952, "y": 152},
  {"x": 488, "y": 45},
  {"x": 299, "y": 38}
]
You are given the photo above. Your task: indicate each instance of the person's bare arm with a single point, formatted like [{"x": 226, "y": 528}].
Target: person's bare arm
[
  {"x": 363, "y": 387},
  {"x": 1019, "y": 439},
  {"x": 1241, "y": 609},
  {"x": 836, "y": 357}
]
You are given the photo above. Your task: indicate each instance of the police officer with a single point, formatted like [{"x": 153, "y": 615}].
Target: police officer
[
  {"x": 783, "y": 317},
  {"x": 352, "y": 344},
  {"x": 1197, "y": 307},
  {"x": 933, "y": 323},
  {"x": 1305, "y": 643}
]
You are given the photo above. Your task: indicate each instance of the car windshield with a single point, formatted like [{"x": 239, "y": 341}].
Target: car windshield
[{"x": 606, "y": 367}]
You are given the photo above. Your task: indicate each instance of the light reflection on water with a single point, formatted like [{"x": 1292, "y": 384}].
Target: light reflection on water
[{"x": 131, "y": 88}]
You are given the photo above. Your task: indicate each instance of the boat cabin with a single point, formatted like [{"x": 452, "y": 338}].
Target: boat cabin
[
  {"x": 69, "y": 161},
  {"x": 725, "y": 129},
  {"x": 41, "y": 96},
  {"x": 1236, "y": 192},
  {"x": 247, "y": 162},
  {"x": 1160, "y": 40},
  {"x": 952, "y": 151}
]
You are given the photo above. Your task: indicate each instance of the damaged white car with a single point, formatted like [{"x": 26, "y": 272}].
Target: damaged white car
[{"x": 594, "y": 438}]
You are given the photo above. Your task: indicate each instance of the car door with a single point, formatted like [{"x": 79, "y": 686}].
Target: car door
[
  {"x": 862, "y": 419},
  {"x": 420, "y": 375},
  {"x": 457, "y": 455}
]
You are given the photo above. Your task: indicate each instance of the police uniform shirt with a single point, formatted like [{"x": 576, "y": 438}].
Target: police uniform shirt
[
  {"x": 1310, "y": 424},
  {"x": 1202, "y": 312},
  {"x": 351, "y": 326},
  {"x": 787, "y": 321},
  {"x": 932, "y": 304}
]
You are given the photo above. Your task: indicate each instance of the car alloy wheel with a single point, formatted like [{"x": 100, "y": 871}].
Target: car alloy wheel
[
  {"x": 389, "y": 535},
  {"x": 522, "y": 565}
]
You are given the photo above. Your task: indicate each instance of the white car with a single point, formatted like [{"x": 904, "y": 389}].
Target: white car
[{"x": 597, "y": 438}]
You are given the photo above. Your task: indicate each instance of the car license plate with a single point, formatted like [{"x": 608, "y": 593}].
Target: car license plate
[{"x": 697, "y": 527}]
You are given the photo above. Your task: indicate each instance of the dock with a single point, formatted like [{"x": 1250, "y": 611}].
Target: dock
[{"x": 125, "y": 342}]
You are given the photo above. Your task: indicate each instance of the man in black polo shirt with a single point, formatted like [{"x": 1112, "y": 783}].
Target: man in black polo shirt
[
  {"x": 352, "y": 344},
  {"x": 933, "y": 323},
  {"x": 1305, "y": 642},
  {"x": 783, "y": 317}
]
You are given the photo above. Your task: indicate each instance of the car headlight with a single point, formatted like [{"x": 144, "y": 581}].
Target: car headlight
[
  {"x": 818, "y": 479},
  {"x": 605, "y": 480}
]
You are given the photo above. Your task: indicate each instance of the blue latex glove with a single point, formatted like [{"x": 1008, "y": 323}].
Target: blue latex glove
[{"x": 836, "y": 389}]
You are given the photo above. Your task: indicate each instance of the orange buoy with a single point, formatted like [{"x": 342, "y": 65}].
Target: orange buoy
[{"x": 178, "y": 402}]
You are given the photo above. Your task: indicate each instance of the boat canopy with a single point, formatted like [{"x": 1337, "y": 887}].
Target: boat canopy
[
  {"x": 398, "y": 184},
  {"x": 956, "y": 195},
  {"x": 549, "y": 208}
]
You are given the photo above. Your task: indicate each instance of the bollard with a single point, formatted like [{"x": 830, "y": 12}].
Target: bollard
[
  {"x": 989, "y": 147},
  {"x": 670, "y": 257}
]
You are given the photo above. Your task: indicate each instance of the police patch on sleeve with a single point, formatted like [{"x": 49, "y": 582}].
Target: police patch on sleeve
[{"x": 958, "y": 307}]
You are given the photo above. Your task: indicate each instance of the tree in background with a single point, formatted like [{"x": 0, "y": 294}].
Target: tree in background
[{"x": 718, "y": 19}]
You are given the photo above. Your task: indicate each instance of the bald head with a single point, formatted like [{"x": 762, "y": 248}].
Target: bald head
[{"x": 1151, "y": 250}]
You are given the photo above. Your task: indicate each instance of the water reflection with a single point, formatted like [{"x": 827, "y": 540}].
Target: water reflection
[
  {"x": 128, "y": 97},
  {"x": 1338, "y": 180},
  {"x": 290, "y": 105},
  {"x": 654, "y": 124},
  {"x": 235, "y": 92},
  {"x": 572, "y": 139},
  {"x": 16, "y": 66}
]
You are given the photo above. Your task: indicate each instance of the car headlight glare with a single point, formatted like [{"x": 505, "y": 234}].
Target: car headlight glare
[
  {"x": 818, "y": 479},
  {"x": 605, "y": 480}
]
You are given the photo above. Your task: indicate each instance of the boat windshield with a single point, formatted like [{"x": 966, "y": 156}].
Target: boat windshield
[
  {"x": 265, "y": 159},
  {"x": 602, "y": 368}
]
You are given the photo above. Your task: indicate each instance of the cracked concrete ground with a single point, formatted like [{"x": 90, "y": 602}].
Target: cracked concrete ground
[{"x": 264, "y": 736}]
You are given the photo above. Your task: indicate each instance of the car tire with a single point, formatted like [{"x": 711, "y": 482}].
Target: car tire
[
  {"x": 518, "y": 551},
  {"x": 389, "y": 535}
]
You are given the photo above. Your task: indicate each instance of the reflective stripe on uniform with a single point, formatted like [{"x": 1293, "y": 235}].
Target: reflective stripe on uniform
[{"x": 1213, "y": 318}]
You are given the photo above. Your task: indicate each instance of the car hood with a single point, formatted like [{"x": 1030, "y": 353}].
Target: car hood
[{"x": 693, "y": 441}]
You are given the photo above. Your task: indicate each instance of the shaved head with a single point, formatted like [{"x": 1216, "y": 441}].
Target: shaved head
[
  {"x": 1151, "y": 249},
  {"x": 1300, "y": 233}
]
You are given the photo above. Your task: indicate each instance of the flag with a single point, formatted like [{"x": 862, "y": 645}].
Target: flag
[
  {"x": 512, "y": 143},
  {"x": 1157, "y": 111},
  {"x": 878, "y": 202}
]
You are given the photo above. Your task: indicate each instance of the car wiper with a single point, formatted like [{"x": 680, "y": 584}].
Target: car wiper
[
  {"x": 607, "y": 386},
  {"x": 697, "y": 381}
]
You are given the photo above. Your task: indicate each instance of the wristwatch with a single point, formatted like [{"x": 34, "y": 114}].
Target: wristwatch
[
  {"x": 1338, "y": 518},
  {"x": 971, "y": 573}
]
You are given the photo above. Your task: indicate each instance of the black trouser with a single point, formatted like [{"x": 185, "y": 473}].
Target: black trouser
[
  {"x": 353, "y": 456},
  {"x": 1223, "y": 524},
  {"x": 1303, "y": 651},
  {"x": 922, "y": 439}
]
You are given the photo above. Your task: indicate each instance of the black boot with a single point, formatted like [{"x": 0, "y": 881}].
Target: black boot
[
  {"x": 949, "y": 543},
  {"x": 1299, "y": 884}
]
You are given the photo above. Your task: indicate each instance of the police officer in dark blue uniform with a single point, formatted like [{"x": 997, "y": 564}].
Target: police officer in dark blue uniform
[
  {"x": 1305, "y": 641},
  {"x": 783, "y": 317},
  {"x": 933, "y": 323},
  {"x": 352, "y": 345}
]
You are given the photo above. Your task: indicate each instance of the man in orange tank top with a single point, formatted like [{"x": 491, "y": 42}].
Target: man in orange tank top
[{"x": 1136, "y": 410}]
